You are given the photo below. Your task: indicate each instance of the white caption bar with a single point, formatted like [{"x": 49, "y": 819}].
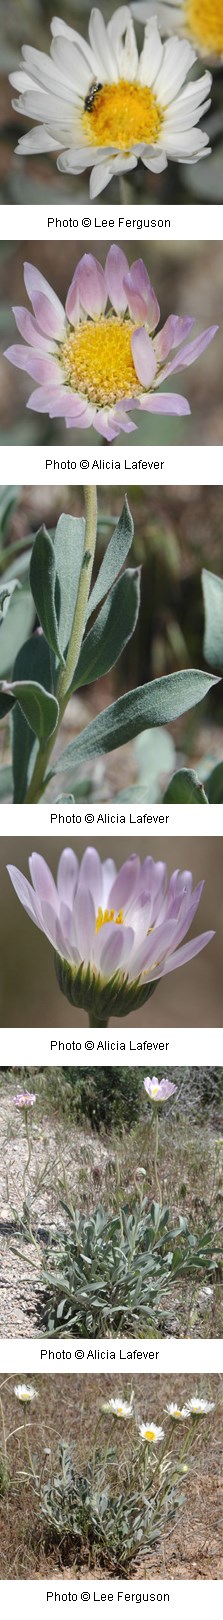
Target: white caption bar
[
  {"x": 64, "y": 464},
  {"x": 44, "y": 820},
  {"x": 180, "y": 1356},
  {"x": 43, "y": 1047},
  {"x": 112, "y": 222},
  {"x": 194, "y": 1598}
]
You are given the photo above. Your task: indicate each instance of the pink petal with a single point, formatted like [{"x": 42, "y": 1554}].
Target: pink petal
[
  {"x": 174, "y": 331},
  {"x": 143, "y": 304},
  {"x": 91, "y": 875},
  {"x": 24, "y": 891},
  {"x": 143, "y": 356},
  {"x": 165, "y": 404},
  {"x": 29, "y": 330},
  {"x": 187, "y": 952},
  {"x": 47, "y": 307},
  {"x": 42, "y": 879},
  {"x": 189, "y": 352},
  {"x": 91, "y": 286},
  {"x": 67, "y": 875},
  {"x": 115, "y": 946},
  {"x": 125, "y": 884},
  {"x": 84, "y": 922},
  {"x": 116, "y": 268}
]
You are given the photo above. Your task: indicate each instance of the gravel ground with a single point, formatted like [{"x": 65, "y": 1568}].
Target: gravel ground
[{"x": 85, "y": 1156}]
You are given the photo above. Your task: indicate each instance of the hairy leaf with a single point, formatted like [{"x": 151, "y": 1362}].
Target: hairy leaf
[
  {"x": 68, "y": 547},
  {"x": 43, "y": 575},
  {"x": 154, "y": 704},
  {"x": 112, "y": 629},
  {"x": 34, "y": 662},
  {"x": 185, "y": 788},
  {"x": 214, "y": 784},
  {"x": 114, "y": 557},
  {"x": 213, "y": 607},
  {"x": 6, "y": 591}
]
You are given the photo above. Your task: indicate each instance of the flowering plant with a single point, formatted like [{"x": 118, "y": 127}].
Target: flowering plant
[
  {"x": 104, "y": 104},
  {"x": 94, "y": 364},
  {"x": 65, "y": 655},
  {"x": 115, "y": 934}
]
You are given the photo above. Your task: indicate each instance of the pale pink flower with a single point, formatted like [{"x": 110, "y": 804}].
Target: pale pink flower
[
  {"x": 24, "y": 1099},
  {"x": 115, "y": 934},
  {"x": 95, "y": 363},
  {"x": 158, "y": 1090}
]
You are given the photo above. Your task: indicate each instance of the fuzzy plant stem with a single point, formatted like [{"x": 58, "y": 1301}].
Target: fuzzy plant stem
[
  {"x": 27, "y": 1445},
  {"x": 29, "y": 1145},
  {"x": 158, "y": 1187},
  {"x": 38, "y": 779}
]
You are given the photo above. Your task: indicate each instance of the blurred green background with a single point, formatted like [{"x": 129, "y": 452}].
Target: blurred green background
[
  {"x": 29, "y": 993},
  {"x": 36, "y": 179},
  {"x": 188, "y": 280}
]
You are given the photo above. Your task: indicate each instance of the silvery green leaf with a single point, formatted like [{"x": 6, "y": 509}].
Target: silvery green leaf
[
  {"x": 114, "y": 625},
  {"x": 114, "y": 557},
  {"x": 213, "y": 609},
  {"x": 154, "y": 704}
]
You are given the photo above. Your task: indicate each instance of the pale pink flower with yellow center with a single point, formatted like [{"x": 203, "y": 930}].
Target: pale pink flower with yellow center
[
  {"x": 115, "y": 934},
  {"x": 95, "y": 363},
  {"x": 101, "y": 104},
  {"x": 158, "y": 1090},
  {"x": 24, "y": 1099}
]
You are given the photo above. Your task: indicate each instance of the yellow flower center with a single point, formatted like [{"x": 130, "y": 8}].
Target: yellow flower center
[
  {"x": 149, "y": 1434},
  {"x": 105, "y": 917},
  {"x": 155, "y": 1089},
  {"x": 97, "y": 360},
  {"x": 121, "y": 115},
  {"x": 205, "y": 20}
]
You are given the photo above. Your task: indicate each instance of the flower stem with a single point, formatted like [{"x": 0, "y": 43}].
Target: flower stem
[
  {"x": 29, "y": 1145},
  {"x": 158, "y": 1187},
  {"x": 36, "y": 786},
  {"x": 27, "y": 1445}
]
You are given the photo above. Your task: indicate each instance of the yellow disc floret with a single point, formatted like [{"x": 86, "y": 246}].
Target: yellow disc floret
[
  {"x": 97, "y": 360},
  {"x": 205, "y": 21},
  {"x": 122, "y": 115},
  {"x": 105, "y": 917}
]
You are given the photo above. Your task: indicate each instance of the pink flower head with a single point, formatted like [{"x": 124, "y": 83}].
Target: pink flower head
[
  {"x": 24, "y": 1099},
  {"x": 158, "y": 1090},
  {"x": 94, "y": 363},
  {"x": 112, "y": 931}
]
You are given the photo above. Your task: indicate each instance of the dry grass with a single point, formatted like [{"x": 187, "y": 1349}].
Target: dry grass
[{"x": 67, "y": 1408}]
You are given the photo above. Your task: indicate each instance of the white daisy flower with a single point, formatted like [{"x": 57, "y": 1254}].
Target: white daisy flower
[
  {"x": 200, "y": 21},
  {"x": 151, "y": 1432},
  {"x": 119, "y": 1409},
  {"x": 104, "y": 106},
  {"x": 177, "y": 1412},
  {"x": 198, "y": 1408},
  {"x": 25, "y": 1393}
]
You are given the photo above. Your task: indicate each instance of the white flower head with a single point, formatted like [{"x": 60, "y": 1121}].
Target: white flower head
[
  {"x": 151, "y": 1433},
  {"x": 176, "y": 1412},
  {"x": 103, "y": 106},
  {"x": 198, "y": 1408},
  {"x": 200, "y": 21},
  {"x": 25, "y": 1393},
  {"x": 119, "y": 1409}
]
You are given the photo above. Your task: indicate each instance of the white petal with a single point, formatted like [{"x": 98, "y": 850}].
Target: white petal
[
  {"x": 178, "y": 58},
  {"x": 102, "y": 48},
  {"x": 151, "y": 55}
]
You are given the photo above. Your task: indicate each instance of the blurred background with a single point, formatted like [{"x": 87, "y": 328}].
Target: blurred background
[
  {"x": 188, "y": 280},
  {"x": 177, "y": 532},
  {"x": 189, "y": 998},
  {"x": 36, "y": 179}
]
